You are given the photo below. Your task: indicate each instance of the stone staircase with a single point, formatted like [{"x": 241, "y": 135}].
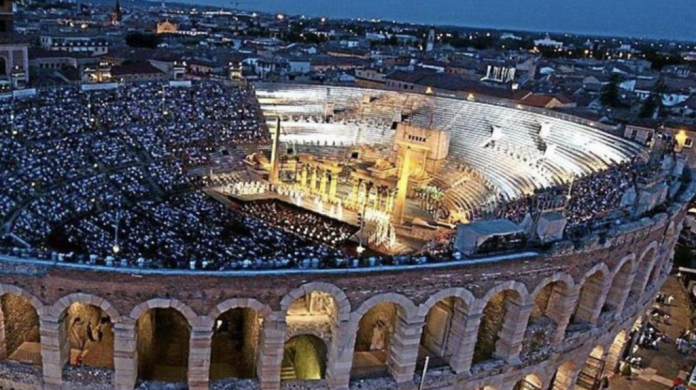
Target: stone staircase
[{"x": 287, "y": 373}]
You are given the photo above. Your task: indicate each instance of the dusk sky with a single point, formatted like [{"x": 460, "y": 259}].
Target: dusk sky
[{"x": 673, "y": 19}]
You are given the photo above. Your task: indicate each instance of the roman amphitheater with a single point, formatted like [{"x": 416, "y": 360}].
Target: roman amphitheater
[{"x": 284, "y": 236}]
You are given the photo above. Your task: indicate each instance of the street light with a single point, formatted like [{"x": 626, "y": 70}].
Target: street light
[{"x": 116, "y": 248}]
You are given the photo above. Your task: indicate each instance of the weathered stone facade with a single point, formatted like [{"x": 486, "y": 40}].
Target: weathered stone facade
[{"x": 598, "y": 292}]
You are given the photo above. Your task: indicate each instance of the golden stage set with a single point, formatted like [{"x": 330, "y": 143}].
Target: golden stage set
[{"x": 379, "y": 190}]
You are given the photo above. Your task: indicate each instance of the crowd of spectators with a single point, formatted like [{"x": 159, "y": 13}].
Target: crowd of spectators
[
  {"x": 67, "y": 153},
  {"x": 191, "y": 231},
  {"x": 307, "y": 224},
  {"x": 77, "y": 167},
  {"x": 587, "y": 198}
]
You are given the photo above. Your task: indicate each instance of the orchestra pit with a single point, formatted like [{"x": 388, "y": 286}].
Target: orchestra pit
[{"x": 206, "y": 235}]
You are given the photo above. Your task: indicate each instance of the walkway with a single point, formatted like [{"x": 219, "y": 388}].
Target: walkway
[{"x": 666, "y": 364}]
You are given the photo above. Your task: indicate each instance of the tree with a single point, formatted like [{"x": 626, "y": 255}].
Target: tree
[
  {"x": 148, "y": 41},
  {"x": 610, "y": 93},
  {"x": 653, "y": 103}
]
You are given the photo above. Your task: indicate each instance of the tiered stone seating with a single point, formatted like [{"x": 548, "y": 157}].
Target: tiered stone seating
[{"x": 517, "y": 165}]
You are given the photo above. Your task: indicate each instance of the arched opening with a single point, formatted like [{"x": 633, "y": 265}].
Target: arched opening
[
  {"x": 441, "y": 336},
  {"x": 565, "y": 376},
  {"x": 304, "y": 358},
  {"x": 546, "y": 314},
  {"x": 619, "y": 287},
  {"x": 235, "y": 342},
  {"x": 88, "y": 335},
  {"x": 654, "y": 274},
  {"x": 495, "y": 314},
  {"x": 316, "y": 304},
  {"x": 20, "y": 339},
  {"x": 641, "y": 278},
  {"x": 617, "y": 351},
  {"x": 3, "y": 66},
  {"x": 590, "y": 300},
  {"x": 593, "y": 369},
  {"x": 529, "y": 382},
  {"x": 373, "y": 339},
  {"x": 163, "y": 345}
]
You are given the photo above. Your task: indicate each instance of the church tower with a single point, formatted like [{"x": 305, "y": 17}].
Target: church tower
[
  {"x": 430, "y": 44},
  {"x": 117, "y": 15}
]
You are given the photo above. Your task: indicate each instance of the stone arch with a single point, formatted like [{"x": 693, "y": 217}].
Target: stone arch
[
  {"x": 164, "y": 332},
  {"x": 601, "y": 267},
  {"x": 59, "y": 308},
  {"x": 566, "y": 375},
  {"x": 35, "y": 302},
  {"x": 616, "y": 351},
  {"x": 456, "y": 292},
  {"x": 558, "y": 277},
  {"x": 20, "y": 326},
  {"x": 504, "y": 312},
  {"x": 510, "y": 285},
  {"x": 158, "y": 303},
  {"x": 240, "y": 303},
  {"x": 304, "y": 358},
  {"x": 406, "y": 304},
  {"x": 83, "y": 327},
  {"x": 549, "y": 314},
  {"x": 592, "y": 295},
  {"x": 529, "y": 382},
  {"x": 386, "y": 327},
  {"x": 647, "y": 258},
  {"x": 339, "y": 297},
  {"x": 621, "y": 280},
  {"x": 654, "y": 271},
  {"x": 445, "y": 315},
  {"x": 236, "y": 326}
]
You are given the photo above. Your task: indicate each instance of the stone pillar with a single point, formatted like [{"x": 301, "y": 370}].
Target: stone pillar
[
  {"x": 275, "y": 154},
  {"x": 3, "y": 342},
  {"x": 125, "y": 355},
  {"x": 456, "y": 335},
  {"x": 303, "y": 177},
  {"x": 333, "y": 186},
  {"x": 560, "y": 308},
  {"x": 354, "y": 192},
  {"x": 511, "y": 335},
  {"x": 313, "y": 180},
  {"x": 402, "y": 186},
  {"x": 403, "y": 347},
  {"x": 271, "y": 345},
  {"x": 340, "y": 356},
  {"x": 53, "y": 357},
  {"x": 323, "y": 182},
  {"x": 464, "y": 356},
  {"x": 390, "y": 202},
  {"x": 200, "y": 346}
]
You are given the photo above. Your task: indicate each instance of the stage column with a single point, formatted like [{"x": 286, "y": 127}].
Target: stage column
[
  {"x": 402, "y": 186},
  {"x": 303, "y": 177},
  {"x": 322, "y": 182},
  {"x": 313, "y": 180},
  {"x": 333, "y": 186}
]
